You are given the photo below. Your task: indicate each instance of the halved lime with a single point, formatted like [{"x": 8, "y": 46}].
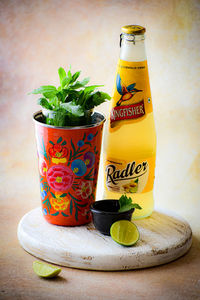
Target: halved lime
[
  {"x": 124, "y": 233},
  {"x": 45, "y": 270}
]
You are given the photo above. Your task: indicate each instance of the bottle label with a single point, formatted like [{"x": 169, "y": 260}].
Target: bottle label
[
  {"x": 136, "y": 176},
  {"x": 132, "y": 96}
]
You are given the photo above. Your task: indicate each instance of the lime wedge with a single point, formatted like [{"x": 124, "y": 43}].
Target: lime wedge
[
  {"x": 45, "y": 270},
  {"x": 124, "y": 233}
]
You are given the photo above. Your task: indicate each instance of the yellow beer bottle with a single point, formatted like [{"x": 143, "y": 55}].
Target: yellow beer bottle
[{"x": 130, "y": 143}]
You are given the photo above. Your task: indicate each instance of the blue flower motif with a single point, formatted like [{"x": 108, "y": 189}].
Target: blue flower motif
[
  {"x": 90, "y": 137},
  {"x": 43, "y": 193},
  {"x": 78, "y": 167},
  {"x": 80, "y": 143},
  {"x": 45, "y": 211}
]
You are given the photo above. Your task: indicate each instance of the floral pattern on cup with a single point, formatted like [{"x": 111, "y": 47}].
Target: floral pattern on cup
[
  {"x": 59, "y": 202},
  {"x": 43, "y": 167},
  {"x": 80, "y": 143},
  {"x": 68, "y": 167},
  {"x": 60, "y": 178},
  {"x": 90, "y": 137},
  {"x": 84, "y": 190},
  {"x": 78, "y": 167},
  {"x": 58, "y": 151},
  {"x": 43, "y": 193},
  {"x": 89, "y": 159}
]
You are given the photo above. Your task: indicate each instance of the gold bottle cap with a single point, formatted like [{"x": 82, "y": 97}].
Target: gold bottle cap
[{"x": 133, "y": 29}]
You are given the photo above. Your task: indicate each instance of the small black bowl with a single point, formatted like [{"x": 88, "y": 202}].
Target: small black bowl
[{"x": 105, "y": 213}]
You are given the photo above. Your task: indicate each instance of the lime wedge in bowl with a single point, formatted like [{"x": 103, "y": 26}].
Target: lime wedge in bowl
[
  {"x": 124, "y": 233},
  {"x": 45, "y": 270}
]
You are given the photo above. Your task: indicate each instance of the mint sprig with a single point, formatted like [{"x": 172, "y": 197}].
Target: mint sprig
[
  {"x": 71, "y": 100},
  {"x": 126, "y": 204}
]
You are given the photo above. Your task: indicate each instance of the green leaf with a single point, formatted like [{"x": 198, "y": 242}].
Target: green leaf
[
  {"x": 73, "y": 146},
  {"x": 96, "y": 133},
  {"x": 81, "y": 205},
  {"x": 69, "y": 74},
  {"x": 58, "y": 119},
  {"x": 59, "y": 140},
  {"x": 71, "y": 207},
  {"x": 73, "y": 109},
  {"x": 44, "y": 150},
  {"x": 76, "y": 85},
  {"x": 62, "y": 74},
  {"x": 137, "y": 206},
  {"x": 57, "y": 213},
  {"x": 65, "y": 82},
  {"x": 70, "y": 101},
  {"x": 51, "y": 143},
  {"x": 44, "y": 103},
  {"x": 126, "y": 204},
  {"x": 77, "y": 156},
  {"x": 85, "y": 81},
  {"x": 64, "y": 143},
  {"x": 45, "y": 89},
  {"x": 50, "y": 95},
  {"x": 124, "y": 200},
  {"x": 53, "y": 194},
  {"x": 76, "y": 213},
  {"x": 88, "y": 143},
  {"x": 54, "y": 102},
  {"x": 75, "y": 199},
  {"x": 63, "y": 195},
  {"x": 62, "y": 213},
  {"x": 91, "y": 88},
  {"x": 98, "y": 98},
  {"x": 75, "y": 76}
]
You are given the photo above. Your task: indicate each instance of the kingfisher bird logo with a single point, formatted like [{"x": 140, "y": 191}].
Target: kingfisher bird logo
[{"x": 126, "y": 92}]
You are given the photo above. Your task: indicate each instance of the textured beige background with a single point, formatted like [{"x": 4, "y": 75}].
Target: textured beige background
[{"x": 39, "y": 36}]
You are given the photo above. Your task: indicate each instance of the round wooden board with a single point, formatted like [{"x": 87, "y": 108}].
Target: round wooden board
[{"x": 163, "y": 238}]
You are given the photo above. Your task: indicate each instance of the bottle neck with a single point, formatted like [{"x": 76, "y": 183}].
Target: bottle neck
[{"x": 132, "y": 47}]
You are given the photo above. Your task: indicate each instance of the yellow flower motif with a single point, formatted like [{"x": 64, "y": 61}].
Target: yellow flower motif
[
  {"x": 59, "y": 179},
  {"x": 59, "y": 203},
  {"x": 58, "y": 160}
]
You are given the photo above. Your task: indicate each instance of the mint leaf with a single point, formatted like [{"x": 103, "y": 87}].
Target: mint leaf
[
  {"x": 126, "y": 204},
  {"x": 69, "y": 75},
  {"x": 50, "y": 95},
  {"x": 85, "y": 81},
  {"x": 45, "y": 89},
  {"x": 54, "y": 102},
  {"x": 73, "y": 108},
  {"x": 77, "y": 85},
  {"x": 65, "y": 82},
  {"x": 137, "y": 206},
  {"x": 75, "y": 76},
  {"x": 96, "y": 99},
  {"x": 58, "y": 118},
  {"x": 44, "y": 103},
  {"x": 91, "y": 88},
  {"x": 62, "y": 74},
  {"x": 72, "y": 101}
]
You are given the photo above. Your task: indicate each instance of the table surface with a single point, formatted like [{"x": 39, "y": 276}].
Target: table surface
[{"x": 177, "y": 280}]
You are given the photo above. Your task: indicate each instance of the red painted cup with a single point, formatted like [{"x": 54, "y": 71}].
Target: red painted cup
[{"x": 68, "y": 167}]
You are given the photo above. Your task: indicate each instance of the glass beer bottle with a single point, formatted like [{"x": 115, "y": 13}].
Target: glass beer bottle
[{"x": 130, "y": 144}]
